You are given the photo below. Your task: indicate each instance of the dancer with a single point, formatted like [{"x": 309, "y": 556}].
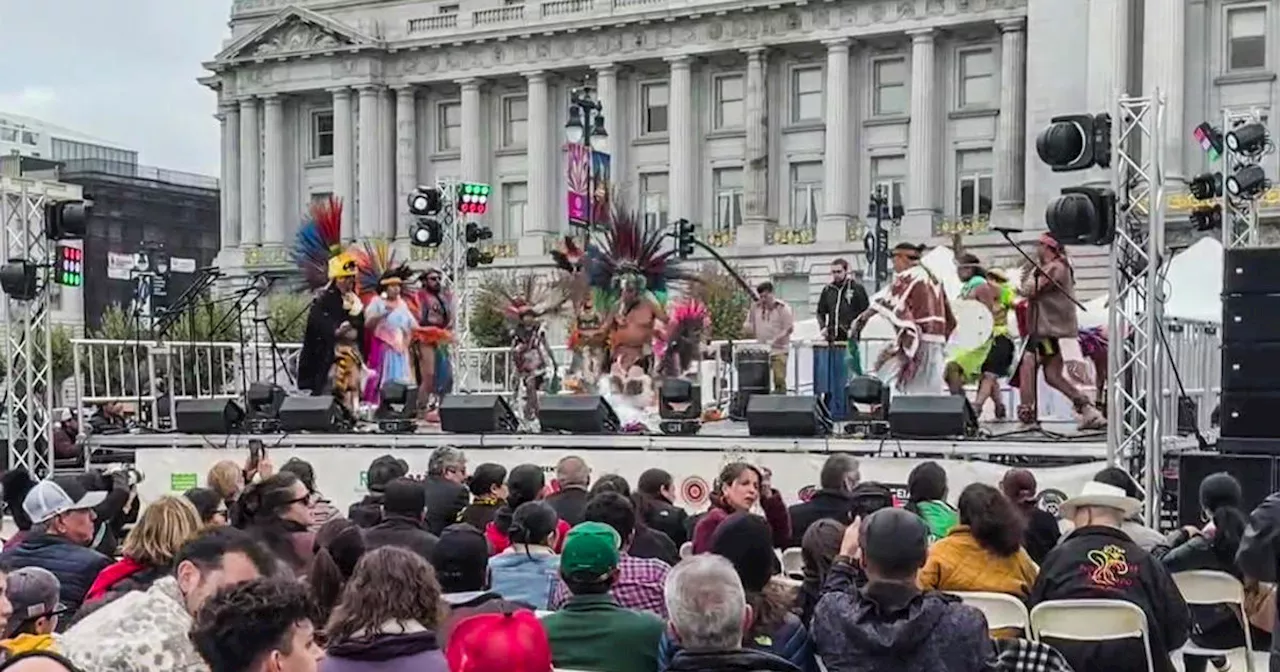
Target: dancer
[
  {"x": 319, "y": 255},
  {"x": 435, "y": 371},
  {"x": 679, "y": 349},
  {"x": 915, "y": 303},
  {"x": 390, "y": 318},
  {"x": 1052, "y": 336},
  {"x": 525, "y": 308},
  {"x": 989, "y": 362},
  {"x": 348, "y": 375},
  {"x": 589, "y": 343}
]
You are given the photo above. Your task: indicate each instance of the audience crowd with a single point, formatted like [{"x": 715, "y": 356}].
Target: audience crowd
[{"x": 496, "y": 570}]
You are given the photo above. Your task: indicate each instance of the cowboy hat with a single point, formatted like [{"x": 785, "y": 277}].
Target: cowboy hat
[{"x": 1100, "y": 494}]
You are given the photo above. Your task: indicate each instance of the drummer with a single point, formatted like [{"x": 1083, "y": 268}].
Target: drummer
[
  {"x": 771, "y": 322},
  {"x": 989, "y": 362}
]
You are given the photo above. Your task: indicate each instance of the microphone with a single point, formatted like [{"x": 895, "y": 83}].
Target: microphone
[{"x": 1006, "y": 230}]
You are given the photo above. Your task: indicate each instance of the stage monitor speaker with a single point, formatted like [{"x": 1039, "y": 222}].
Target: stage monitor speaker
[
  {"x": 1249, "y": 414},
  {"x": 477, "y": 414},
  {"x": 929, "y": 416},
  {"x": 208, "y": 416},
  {"x": 1250, "y": 318},
  {"x": 786, "y": 415},
  {"x": 1256, "y": 474},
  {"x": 1230, "y": 445},
  {"x": 1250, "y": 366},
  {"x": 1251, "y": 270},
  {"x": 311, "y": 414},
  {"x": 577, "y": 414}
]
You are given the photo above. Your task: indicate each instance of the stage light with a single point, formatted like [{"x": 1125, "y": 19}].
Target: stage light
[
  {"x": 397, "y": 404},
  {"x": 1205, "y": 186},
  {"x": 67, "y": 219},
  {"x": 473, "y": 198},
  {"x": 18, "y": 280},
  {"x": 475, "y": 233},
  {"x": 1207, "y": 218},
  {"x": 69, "y": 269},
  {"x": 262, "y": 403},
  {"x": 426, "y": 201},
  {"x": 684, "y": 238},
  {"x": 679, "y": 399},
  {"x": 1210, "y": 140},
  {"x": 1249, "y": 182},
  {"x": 1083, "y": 215},
  {"x": 1250, "y": 138},
  {"x": 477, "y": 257},
  {"x": 426, "y": 233},
  {"x": 1076, "y": 142}
]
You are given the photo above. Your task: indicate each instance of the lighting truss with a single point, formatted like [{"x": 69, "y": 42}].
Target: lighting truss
[
  {"x": 1136, "y": 309},
  {"x": 452, "y": 263},
  {"x": 1239, "y": 215}
]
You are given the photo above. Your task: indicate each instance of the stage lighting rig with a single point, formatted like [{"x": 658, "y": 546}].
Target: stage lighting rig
[
  {"x": 397, "y": 403},
  {"x": 1210, "y": 140},
  {"x": 1205, "y": 186},
  {"x": 1076, "y": 142},
  {"x": 67, "y": 220},
  {"x": 69, "y": 269},
  {"x": 1249, "y": 139},
  {"x": 1083, "y": 215},
  {"x": 473, "y": 198},
  {"x": 1207, "y": 217},
  {"x": 1249, "y": 182},
  {"x": 18, "y": 280},
  {"x": 427, "y": 204},
  {"x": 685, "y": 232}
]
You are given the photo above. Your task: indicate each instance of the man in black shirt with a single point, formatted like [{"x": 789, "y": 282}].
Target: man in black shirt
[{"x": 841, "y": 303}]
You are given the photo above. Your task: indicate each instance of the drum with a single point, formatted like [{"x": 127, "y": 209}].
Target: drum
[
  {"x": 974, "y": 323},
  {"x": 752, "y": 367},
  {"x": 830, "y": 376}
]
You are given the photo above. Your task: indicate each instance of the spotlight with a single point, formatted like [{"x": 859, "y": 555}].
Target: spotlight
[
  {"x": 426, "y": 233},
  {"x": 1083, "y": 215},
  {"x": 1076, "y": 142},
  {"x": 67, "y": 220},
  {"x": 1210, "y": 140},
  {"x": 396, "y": 405},
  {"x": 477, "y": 257},
  {"x": 263, "y": 407},
  {"x": 18, "y": 280},
  {"x": 1249, "y": 182},
  {"x": 1250, "y": 138},
  {"x": 475, "y": 233},
  {"x": 1207, "y": 218},
  {"x": 426, "y": 201},
  {"x": 1205, "y": 186}
]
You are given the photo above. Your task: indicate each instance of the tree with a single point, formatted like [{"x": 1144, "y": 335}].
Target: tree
[
  {"x": 726, "y": 301},
  {"x": 487, "y": 324}
]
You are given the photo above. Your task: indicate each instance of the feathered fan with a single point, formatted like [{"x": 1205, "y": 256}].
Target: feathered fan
[
  {"x": 318, "y": 241},
  {"x": 528, "y": 295},
  {"x": 633, "y": 251},
  {"x": 688, "y": 322}
]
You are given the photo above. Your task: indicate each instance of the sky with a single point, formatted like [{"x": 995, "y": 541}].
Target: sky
[{"x": 120, "y": 70}]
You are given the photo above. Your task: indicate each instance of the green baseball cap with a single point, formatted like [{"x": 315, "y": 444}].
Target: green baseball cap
[{"x": 590, "y": 551}]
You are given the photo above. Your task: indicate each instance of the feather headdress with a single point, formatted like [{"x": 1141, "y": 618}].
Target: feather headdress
[
  {"x": 318, "y": 241},
  {"x": 687, "y": 324},
  {"x": 633, "y": 253},
  {"x": 526, "y": 295},
  {"x": 377, "y": 262}
]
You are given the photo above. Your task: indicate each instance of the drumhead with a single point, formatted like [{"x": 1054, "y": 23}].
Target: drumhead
[
  {"x": 878, "y": 328},
  {"x": 974, "y": 324}
]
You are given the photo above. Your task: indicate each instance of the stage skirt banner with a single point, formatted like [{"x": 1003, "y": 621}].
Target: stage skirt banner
[{"x": 341, "y": 473}]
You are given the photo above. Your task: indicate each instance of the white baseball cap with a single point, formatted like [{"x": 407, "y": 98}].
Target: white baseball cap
[{"x": 58, "y": 495}]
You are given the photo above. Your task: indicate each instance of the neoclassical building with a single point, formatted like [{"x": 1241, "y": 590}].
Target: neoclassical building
[{"x": 767, "y": 122}]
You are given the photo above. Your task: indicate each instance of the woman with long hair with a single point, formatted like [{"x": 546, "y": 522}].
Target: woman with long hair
[
  {"x": 819, "y": 548},
  {"x": 165, "y": 525},
  {"x": 984, "y": 552},
  {"x": 1041, "y": 532},
  {"x": 209, "y": 504},
  {"x": 927, "y": 498},
  {"x": 322, "y": 508},
  {"x": 388, "y": 616},
  {"x": 338, "y": 548},
  {"x": 488, "y": 493},
  {"x": 1214, "y": 547},
  {"x": 525, "y": 484},
  {"x": 747, "y": 541},
  {"x": 528, "y": 569},
  {"x": 742, "y": 485},
  {"x": 277, "y": 512},
  {"x": 655, "y": 505}
]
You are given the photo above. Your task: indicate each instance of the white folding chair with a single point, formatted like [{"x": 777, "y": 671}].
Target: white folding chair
[
  {"x": 1091, "y": 621},
  {"x": 686, "y": 549},
  {"x": 1207, "y": 587},
  {"x": 542, "y": 614},
  {"x": 793, "y": 563},
  {"x": 1002, "y": 611}
]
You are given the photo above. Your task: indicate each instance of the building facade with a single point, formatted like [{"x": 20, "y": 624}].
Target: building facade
[
  {"x": 38, "y": 139},
  {"x": 768, "y": 123}
]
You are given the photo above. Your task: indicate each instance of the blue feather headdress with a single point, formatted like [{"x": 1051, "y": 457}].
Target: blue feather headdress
[{"x": 318, "y": 240}]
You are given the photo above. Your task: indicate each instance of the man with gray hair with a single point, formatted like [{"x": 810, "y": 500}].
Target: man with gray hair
[
  {"x": 447, "y": 494},
  {"x": 573, "y": 475},
  {"x": 833, "y": 499},
  {"x": 709, "y": 616}
]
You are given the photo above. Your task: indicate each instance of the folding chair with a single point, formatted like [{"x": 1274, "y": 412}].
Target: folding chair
[
  {"x": 542, "y": 614},
  {"x": 1206, "y": 587},
  {"x": 686, "y": 549},
  {"x": 793, "y": 563},
  {"x": 1002, "y": 611},
  {"x": 1091, "y": 621}
]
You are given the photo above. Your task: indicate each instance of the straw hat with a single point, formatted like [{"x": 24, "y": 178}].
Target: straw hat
[{"x": 1100, "y": 494}]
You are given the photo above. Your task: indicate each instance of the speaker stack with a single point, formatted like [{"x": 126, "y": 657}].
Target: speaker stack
[{"x": 1250, "y": 351}]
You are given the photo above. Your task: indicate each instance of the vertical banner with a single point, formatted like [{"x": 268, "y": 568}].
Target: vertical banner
[
  {"x": 601, "y": 165},
  {"x": 588, "y": 171}
]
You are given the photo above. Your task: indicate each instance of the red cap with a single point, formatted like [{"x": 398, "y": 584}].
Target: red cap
[
  {"x": 507, "y": 642},
  {"x": 1049, "y": 241}
]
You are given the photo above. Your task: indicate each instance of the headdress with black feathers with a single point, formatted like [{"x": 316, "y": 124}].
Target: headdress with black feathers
[
  {"x": 318, "y": 241},
  {"x": 633, "y": 253},
  {"x": 526, "y": 295}
]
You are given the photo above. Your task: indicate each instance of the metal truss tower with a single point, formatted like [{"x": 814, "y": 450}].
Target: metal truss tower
[
  {"x": 452, "y": 262},
  {"x": 28, "y": 394},
  {"x": 1136, "y": 307},
  {"x": 1239, "y": 215}
]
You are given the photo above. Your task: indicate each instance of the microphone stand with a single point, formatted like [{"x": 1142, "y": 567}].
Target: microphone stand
[{"x": 1039, "y": 269}]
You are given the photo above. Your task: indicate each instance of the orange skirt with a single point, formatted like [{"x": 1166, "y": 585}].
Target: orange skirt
[{"x": 433, "y": 336}]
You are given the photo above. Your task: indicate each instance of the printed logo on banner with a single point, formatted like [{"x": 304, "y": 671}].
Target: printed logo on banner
[
  {"x": 806, "y": 493},
  {"x": 183, "y": 482},
  {"x": 1051, "y": 500},
  {"x": 899, "y": 492},
  {"x": 694, "y": 490}
]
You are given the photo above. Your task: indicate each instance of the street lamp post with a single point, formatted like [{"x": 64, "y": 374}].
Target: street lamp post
[
  {"x": 586, "y": 127},
  {"x": 876, "y": 241}
]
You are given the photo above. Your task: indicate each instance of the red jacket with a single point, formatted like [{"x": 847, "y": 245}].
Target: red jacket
[
  {"x": 111, "y": 575},
  {"x": 775, "y": 512},
  {"x": 499, "y": 542}
]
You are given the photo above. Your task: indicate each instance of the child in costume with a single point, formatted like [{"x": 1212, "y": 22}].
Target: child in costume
[
  {"x": 525, "y": 310},
  {"x": 390, "y": 317},
  {"x": 348, "y": 374}
]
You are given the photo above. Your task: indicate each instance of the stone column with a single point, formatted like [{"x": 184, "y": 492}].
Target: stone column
[
  {"x": 406, "y": 156},
  {"x": 344, "y": 158},
  {"x": 368, "y": 173},
  {"x": 1107, "y": 63},
  {"x": 922, "y": 150},
  {"x": 1163, "y": 70},
  {"x": 250, "y": 173},
  {"x": 837, "y": 157},
  {"x": 755, "y": 164},
  {"x": 681, "y": 134},
  {"x": 541, "y": 179},
  {"x": 276, "y": 210},
  {"x": 473, "y": 132},
  {"x": 607, "y": 94},
  {"x": 1011, "y": 126},
  {"x": 229, "y": 119}
]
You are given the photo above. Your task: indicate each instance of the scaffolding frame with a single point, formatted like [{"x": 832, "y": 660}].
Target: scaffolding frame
[
  {"x": 1239, "y": 215},
  {"x": 452, "y": 263},
  {"x": 1135, "y": 309}
]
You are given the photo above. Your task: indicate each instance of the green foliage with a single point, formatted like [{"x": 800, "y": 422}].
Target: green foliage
[
  {"x": 487, "y": 324},
  {"x": 287, "y": 316},
  {"x": 725, "y": 299}
]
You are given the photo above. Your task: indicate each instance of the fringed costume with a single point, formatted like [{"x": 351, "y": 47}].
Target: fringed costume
[
  {"x": 433, "y": 338},
  {"x": 525, "y": 309},
  {"x": 325, "y": 266},
  {"x": 987, "y": 363},
  {"x": 349, "y": 374},
  {"x": 390, "y": 317},
  {"x": 915, "y": 303},
  {"x": 588, "y": 340},
  {"x": 679, "y": 350}
]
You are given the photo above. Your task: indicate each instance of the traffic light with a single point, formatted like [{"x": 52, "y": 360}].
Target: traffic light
[
  {"x": 426, "y": 232},
  {"x": 426, "y": 202},
  {"x": 1205, "y": 186},
  {"x": 1076, "y": 142},
  {"x": 684, "y": 238},
  {"x": 473, "y": 198},
  {"x": 1083, "y": 215},
  {"x": 69, "y": 269},
  {"x": 66, "y": 220}
]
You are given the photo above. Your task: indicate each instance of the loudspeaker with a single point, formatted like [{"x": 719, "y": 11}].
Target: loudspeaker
[
  {"x": 786, "y": 415},
  {"x": 1251, "y": 270},
  {"x": 927, "y": 416},
  {"x": 1229, "y": 445},
  {"x": 312, "y": 414},
  {"x": 208, "y": 416},
  {"x": 477, "y": 414},
  {"x": 1249, "y": 414},
  {"x": 1250, "y": 318},
  {"x": 1256, "y": 474},
  {"x": 577, "y": 414},
  {"x": 1250, "y": 366}
]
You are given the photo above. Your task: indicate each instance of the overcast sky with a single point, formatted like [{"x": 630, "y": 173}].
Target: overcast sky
[{"x": 120, "y": 70}]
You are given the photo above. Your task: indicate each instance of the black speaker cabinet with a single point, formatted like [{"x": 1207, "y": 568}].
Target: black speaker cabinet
[
  {"x": 208, "y": 416},
  {"x": 1230, "y": 445},
  {"x": 477, "y": 414},
  {"x": 928, "y": 416},
  {"x": 311, "y": 414},
  {"x": 1250, "y": 318},
  {"x": 1257, "y": 476},
  {"x": 1251, "y": 366},
  {"x": 577, "y": 414},
  {"x": 1251, "y": 270},
  {"x": 786, "y": 415},
  {"x": 1249, "y": 414}
]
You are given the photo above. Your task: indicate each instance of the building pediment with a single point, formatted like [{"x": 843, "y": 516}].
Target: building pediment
[{"x": 295, "y": 31}]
